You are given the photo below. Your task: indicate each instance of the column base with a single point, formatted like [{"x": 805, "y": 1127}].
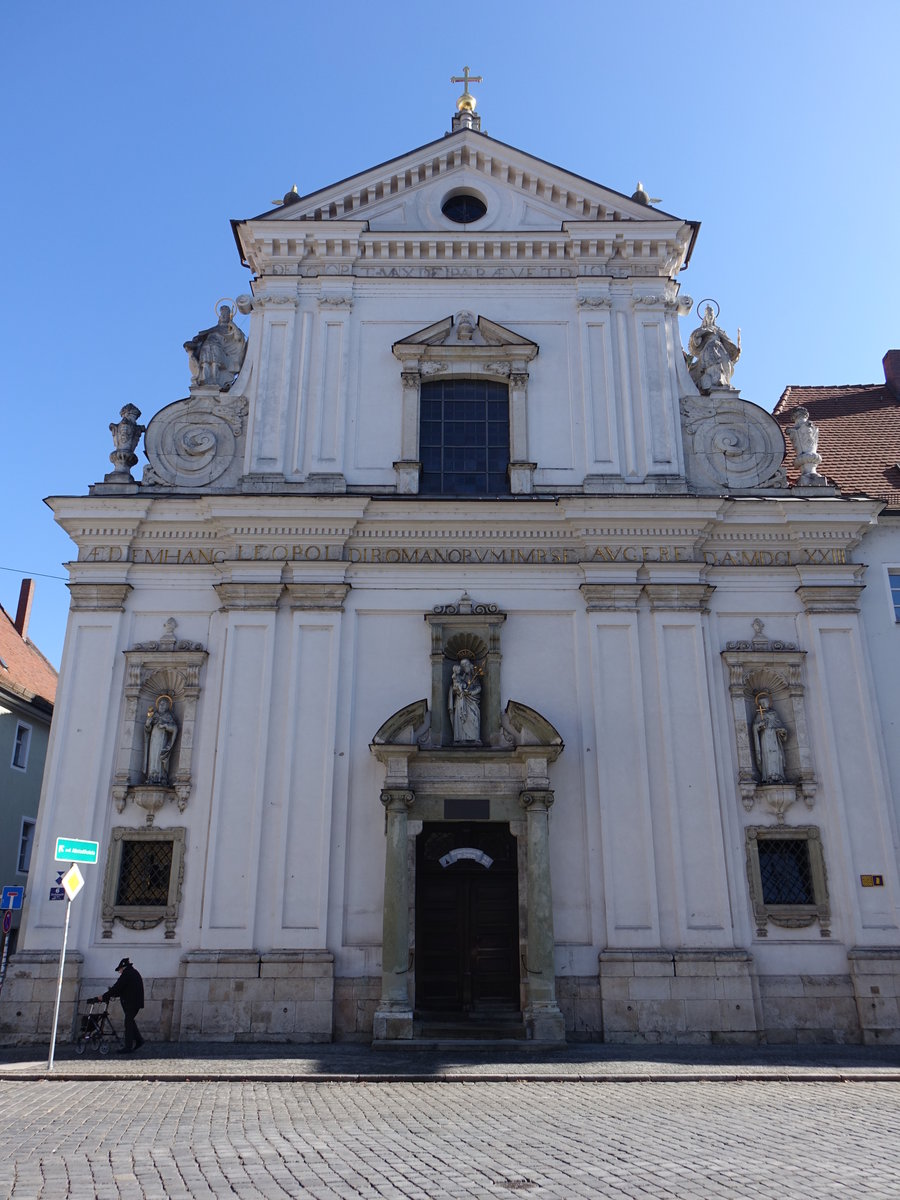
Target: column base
[
  {"x": 544, "y": 1023},
  {"x": 392, "y": 1025}
]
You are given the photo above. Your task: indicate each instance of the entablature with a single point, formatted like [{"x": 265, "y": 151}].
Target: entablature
[
  {"x": 656, "y": 249},
  {"x": 602, "y": 533}
]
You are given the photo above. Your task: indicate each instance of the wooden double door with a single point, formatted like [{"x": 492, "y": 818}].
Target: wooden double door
[{"x": 467, "y": 919}]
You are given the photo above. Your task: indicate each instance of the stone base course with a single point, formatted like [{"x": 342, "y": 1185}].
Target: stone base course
[{"x": 638, "y": 996}]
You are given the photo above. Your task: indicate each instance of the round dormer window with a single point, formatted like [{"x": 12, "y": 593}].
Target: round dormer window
[{"x": 464, "y": 208}]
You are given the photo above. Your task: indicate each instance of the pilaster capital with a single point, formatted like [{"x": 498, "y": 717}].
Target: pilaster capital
[
  {"x": 831, "y": 598},
  {"x": 97, "y": 597},
  {"x": 535, "y": 800},
  {"x": 327, "y": 597},
  {"x": 397, "y": 799},
  {"x": 249, "y": 595},
  {"x": 611, "y": 597},
  {"x": 679, "y": 597}
]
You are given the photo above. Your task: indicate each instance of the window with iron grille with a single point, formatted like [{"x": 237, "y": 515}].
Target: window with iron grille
[
  {"x": 786, "y": 872},
  {"x": 144, "y": 873},
  {"x": 144, "y": 877},
  {"x": 464, "y": 438}
]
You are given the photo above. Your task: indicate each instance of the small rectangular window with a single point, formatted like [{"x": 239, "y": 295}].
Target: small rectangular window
[
  {"x": 21, "y": 746},
  {"x": 26, "y": 841},
  {"x": 894, "y": 581},
  {"x": 786, "y": 873}
]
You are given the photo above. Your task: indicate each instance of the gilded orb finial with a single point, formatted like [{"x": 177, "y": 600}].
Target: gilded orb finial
[{"x": 466, "y": 102}]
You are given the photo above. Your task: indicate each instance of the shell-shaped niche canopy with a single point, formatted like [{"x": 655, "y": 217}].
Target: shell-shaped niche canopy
[
  {"x": 465, "y": 645},
  {"x": 765, "y": 680}
]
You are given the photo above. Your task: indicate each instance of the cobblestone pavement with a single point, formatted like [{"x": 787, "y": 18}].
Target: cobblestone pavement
[
  {"x": 164, "y": 1140},
  {"x": 460, "y": 1061}
]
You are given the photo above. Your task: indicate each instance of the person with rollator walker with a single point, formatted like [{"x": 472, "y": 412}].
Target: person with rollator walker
[{"x": 129, "y": 988}]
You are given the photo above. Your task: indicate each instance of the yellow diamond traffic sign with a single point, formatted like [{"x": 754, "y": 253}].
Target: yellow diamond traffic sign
[{"x": 73, "y": 881}]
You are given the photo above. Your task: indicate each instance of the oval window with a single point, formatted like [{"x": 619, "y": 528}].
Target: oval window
[{"x": 464, "y": 208}]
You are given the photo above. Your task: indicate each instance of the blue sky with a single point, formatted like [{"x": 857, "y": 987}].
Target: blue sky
[{"x": 134, "y": 133}]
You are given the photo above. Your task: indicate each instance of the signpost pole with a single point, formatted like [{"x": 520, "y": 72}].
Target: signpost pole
[{"x": 59, "y": 983}]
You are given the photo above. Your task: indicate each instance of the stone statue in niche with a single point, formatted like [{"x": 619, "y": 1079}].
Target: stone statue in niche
[
  {"x": 714, "y": 354},
  {"x": 126, "y": 433},
  {"x": 805, "y": 440},
  {"x": 160, "y": 732},
  {"x": 217, "y": 354},
  {"x": 769, "y": 735},
  {"x": 464, "y": 703}
]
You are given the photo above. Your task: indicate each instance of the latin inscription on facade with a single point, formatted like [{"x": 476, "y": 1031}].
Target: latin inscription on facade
[{"x": 468, "y": 555}]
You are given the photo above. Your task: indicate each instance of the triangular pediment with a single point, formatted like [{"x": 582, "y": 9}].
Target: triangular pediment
[
  {"x": 518, "y": 189},
  {"x": 464, "y": 329},
  {"x": 464, "y": 335}
]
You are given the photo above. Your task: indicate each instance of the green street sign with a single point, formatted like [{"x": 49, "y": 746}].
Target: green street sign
[{"x": 76, "y": 850}]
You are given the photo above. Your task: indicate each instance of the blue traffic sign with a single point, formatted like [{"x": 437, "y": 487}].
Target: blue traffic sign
[
  {"x": 57, "y": 893},
  {"x": 12, "y": 896}
]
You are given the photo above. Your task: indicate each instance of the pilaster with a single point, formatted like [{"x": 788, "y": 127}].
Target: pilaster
[
  {"x": 394, "y": 1015},
  {"x": 543, "y": 1020}
]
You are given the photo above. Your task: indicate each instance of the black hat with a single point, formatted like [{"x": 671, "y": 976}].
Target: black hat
[{"x": 125, "y": 962}]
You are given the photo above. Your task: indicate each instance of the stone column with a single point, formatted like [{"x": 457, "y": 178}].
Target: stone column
[
  {"x": 394, "y": 1017},
  {"x": 543, "y": 1020}
]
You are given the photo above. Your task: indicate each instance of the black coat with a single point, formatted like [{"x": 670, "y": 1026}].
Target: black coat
[{"x": 129, "y": 987}]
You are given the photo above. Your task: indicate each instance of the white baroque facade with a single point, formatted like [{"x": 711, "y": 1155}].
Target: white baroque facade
[{"x": 468, "y": 435}]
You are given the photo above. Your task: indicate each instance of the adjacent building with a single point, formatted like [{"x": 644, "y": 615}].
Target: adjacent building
[
  {"x": 462, "y": 657},
  {"x": 27, "y": 695}
]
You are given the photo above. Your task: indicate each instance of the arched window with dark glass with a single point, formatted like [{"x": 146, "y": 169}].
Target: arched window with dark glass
[{"x": 464, "y": 438}]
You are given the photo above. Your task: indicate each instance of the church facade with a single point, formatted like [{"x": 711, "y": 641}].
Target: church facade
[{"x": 461, "y": 659}]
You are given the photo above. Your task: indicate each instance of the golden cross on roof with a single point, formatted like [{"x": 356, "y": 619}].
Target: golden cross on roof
[
  {"x": 465, "y": 77},
  {"x": 466, "y": 102}
]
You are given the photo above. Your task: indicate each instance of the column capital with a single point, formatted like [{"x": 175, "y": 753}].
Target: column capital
[
  {"x": 397, "y": 799},
  {"x": 535, "y": 800}
]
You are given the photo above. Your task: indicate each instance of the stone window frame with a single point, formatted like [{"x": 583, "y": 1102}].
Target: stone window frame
[
  {"x": 788, "y": 916},
  {"x": 143, "y": 916},
  {"x": 436, "y": 353}
]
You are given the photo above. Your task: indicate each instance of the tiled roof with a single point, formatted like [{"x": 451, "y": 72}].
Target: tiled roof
[
  {"x": 859, "y": 436},
  {"x": 24, "y": 669}
]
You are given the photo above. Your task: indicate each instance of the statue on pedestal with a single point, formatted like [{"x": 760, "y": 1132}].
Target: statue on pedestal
[
  {"x": 769, "y": 735},
  {"x": 160, "y": 732},
  {"x": 217, "y": 354},
  {"x": 714, "y": 354},
  {"x": 464, "y": 703}
]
